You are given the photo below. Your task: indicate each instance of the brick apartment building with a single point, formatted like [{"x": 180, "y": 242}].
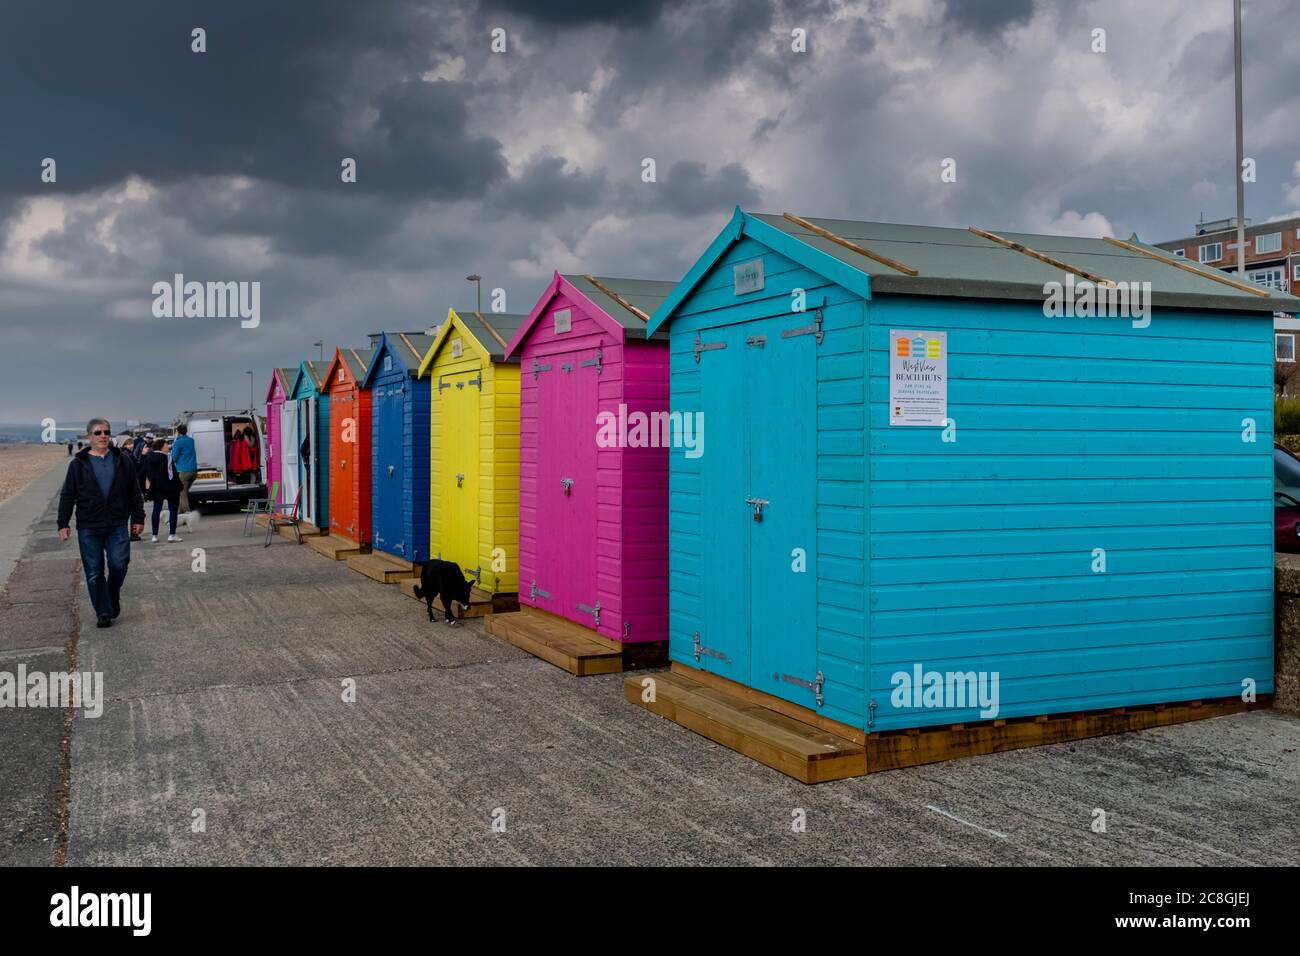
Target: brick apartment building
[{"x": 1272, "y": 260}]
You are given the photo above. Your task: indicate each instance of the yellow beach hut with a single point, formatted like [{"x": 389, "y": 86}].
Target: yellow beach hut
[{"x": 474, "y": 454}]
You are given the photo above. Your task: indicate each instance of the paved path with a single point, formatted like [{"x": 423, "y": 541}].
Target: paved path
[{"x": 226, "y": 707}]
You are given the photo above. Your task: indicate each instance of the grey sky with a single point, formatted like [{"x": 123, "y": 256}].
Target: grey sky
[{"x": 225, "y": 165}]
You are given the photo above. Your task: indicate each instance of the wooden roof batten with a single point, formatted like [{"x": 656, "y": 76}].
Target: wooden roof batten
[
  {"x": 491, "y": 330},
  {"x": 851, "y": 246},
  {"x": 616, "y": 297},
  {"x": 1187, "y": 267},
  {"x": 1040, "y": 256}
]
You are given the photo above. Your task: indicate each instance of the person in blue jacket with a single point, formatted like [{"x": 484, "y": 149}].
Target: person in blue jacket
[{"x": 185, "y": 463}]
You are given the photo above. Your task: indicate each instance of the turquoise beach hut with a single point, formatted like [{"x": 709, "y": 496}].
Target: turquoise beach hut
[
  {"x": 928, "y": 495},
  {"x": 314, "y": 442}
]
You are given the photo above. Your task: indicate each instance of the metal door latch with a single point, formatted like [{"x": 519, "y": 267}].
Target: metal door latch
[
  {"x": 815, "y": 685},
  {"x": 705, "y": 347},
  {"x": 460, "y": 480},
  {"x": 390, "y": 471},
  {"x": 758, "y": 504},
  {"x": 699, "y": 649},
  {"x": 534, "y": 590},
  {"x": 815, "y": 329},
  {"x": 568, "y": 485},
  {"x": 593, "y": 611},
  {"x": 566, "y": 367},
  {"x": 759, "y": 340}
]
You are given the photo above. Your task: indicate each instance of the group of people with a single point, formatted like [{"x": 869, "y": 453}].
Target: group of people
[{"x": 106, "y": 485}]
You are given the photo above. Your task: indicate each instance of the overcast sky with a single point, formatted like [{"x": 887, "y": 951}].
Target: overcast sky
[{"x": 225, "y": 165}]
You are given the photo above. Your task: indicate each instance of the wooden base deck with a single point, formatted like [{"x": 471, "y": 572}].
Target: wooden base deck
[
  {"x": 572, "y": 647},
  {"x": 814, "y": 749},
  {"x": 381, "y": 567},
  {"x": 335, "y": 546},
  {"x": 304, "y": 529},
  {"x": 481, "y": 603}
]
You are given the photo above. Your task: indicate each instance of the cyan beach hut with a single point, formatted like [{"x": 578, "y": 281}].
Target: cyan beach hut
[
  {"x": 593, "y": 545},
  {"x": 313, "y": 444},
  {"x": 399, "y": 456},
  {"x": 919, "y": 463}
]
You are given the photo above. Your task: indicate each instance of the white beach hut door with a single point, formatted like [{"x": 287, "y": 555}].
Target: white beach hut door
[{"x": 289, "y": 452}]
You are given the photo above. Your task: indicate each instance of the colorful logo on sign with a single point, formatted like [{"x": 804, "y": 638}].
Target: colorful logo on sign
[{"x": 919, "y": 347}]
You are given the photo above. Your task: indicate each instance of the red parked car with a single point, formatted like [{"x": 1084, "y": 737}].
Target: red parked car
[{"x": 1286, "y": 500}]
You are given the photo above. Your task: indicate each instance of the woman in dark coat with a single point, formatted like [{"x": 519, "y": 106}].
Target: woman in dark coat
[{"x": 161, "y": 484}]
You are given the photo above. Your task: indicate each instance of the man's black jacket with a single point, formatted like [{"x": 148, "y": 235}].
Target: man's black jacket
[{"x": 94, "y": 511}]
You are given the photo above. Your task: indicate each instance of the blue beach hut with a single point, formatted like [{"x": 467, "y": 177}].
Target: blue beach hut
[
  {"x": 399, "y": 457},
  {"x": 929, "y": 496}
]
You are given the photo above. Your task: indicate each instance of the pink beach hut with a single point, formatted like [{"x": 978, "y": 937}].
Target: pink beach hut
[
  {"x": 593, "y": 512},
  {"x": 280, "y": 386}
]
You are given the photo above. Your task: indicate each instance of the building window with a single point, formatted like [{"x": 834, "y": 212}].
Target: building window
[
  {"x": 1296, "y": 274},
  {"x": 1181, "y": 253},
  {"x": 1274, "y": 278},
  {"x": 388, "y": 363},
  {"x": 1284, "y": 346},
  {"x": 1212, "y": 252},
  {"x": 1269, "y": 243}
]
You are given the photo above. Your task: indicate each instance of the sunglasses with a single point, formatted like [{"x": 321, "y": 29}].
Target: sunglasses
[{"x": 101, "y": 432}]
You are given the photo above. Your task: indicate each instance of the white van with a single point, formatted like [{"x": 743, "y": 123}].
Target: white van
[{"x": 212, "y": 433}]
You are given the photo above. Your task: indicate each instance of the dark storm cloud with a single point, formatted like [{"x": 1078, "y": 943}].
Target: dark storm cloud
[
  {"x": 575, "y": 12},
  {"x": 987, "y": 17},
  {"x": 282, "y": 93},
  {"x": 548, "y": 186},
  {"x": 689, "y": 189}
]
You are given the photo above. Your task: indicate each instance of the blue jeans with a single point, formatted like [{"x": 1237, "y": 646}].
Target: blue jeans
[{"x": 96, "y": 545}]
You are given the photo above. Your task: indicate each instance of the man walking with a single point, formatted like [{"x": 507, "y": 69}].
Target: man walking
[
  {"x": 185, "y": 463},
  {"x": 101, "y": 485}
]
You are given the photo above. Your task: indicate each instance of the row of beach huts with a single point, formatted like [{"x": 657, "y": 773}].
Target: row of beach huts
[{"x": 873, "y": 504}]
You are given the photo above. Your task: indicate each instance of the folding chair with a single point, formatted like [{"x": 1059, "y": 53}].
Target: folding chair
[
  {"x": 258, "y": 506},
  {"x": 291, "y": 519}
]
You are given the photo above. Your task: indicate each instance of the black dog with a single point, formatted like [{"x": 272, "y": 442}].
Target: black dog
[{"x": 446, "y": 581}]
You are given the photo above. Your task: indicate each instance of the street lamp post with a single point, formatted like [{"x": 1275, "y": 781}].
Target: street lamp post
[
  {"x": 320, "y": 344},
  {"x": 251, "y": 399},
  {"x": 214, "y": 395},
  {"x": 1241, "y": 151},
  {"x": 478, "y": 291}
]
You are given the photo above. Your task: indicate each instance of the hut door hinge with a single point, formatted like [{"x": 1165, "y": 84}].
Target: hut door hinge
[
  {"x": 538, "y": 368},
  {"x": 814, "y": 329},
  {"x": 815, "y": 685},
  {"x": 476, "y": 573},
  {"x": 442, "y": 385},
  {"x": 534, "y": 590},
  {"x": 705, "y": 347},
  {"x": 595, "y": 362},
  {"x": 593, "y": 611},
  {"x": 699, "y": 649},
  {"x": 477, "y": 380}
]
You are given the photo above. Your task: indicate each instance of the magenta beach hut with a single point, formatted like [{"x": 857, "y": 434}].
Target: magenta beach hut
[
  {"x": 593, "y": 510},
  {"x": 277, "y": 390}
]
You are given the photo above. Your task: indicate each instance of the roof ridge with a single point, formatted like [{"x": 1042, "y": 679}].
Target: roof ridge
[
  {"x": 488, "y": 325},
  {"x": 854, "y": 247},
  {"x": 616, "y": 297}
]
